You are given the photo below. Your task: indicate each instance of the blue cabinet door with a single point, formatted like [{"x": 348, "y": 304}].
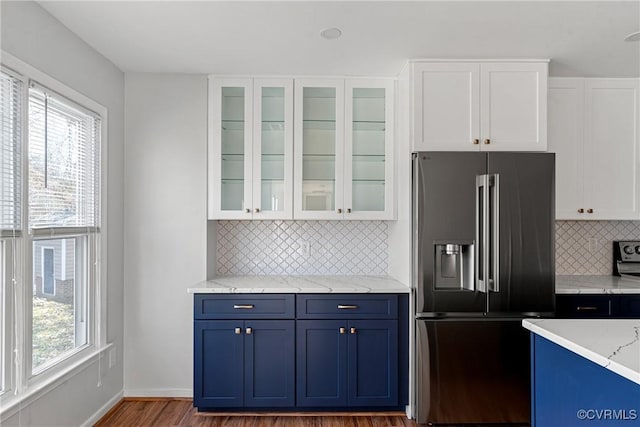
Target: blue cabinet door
[
  {"x": 269, "y": 363},
  {"x": 373, "y": 363},
  {"x": 218, "y": 364},
  {"x": 321, "y": 363},
  {"x": 571, "y": 391}
]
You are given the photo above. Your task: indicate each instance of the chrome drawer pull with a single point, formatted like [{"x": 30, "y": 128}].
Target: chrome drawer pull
[
  {"x": 243, "y": 306},
  {"x": 347, "y": 307},
  {"x": 580, "y": 308}
]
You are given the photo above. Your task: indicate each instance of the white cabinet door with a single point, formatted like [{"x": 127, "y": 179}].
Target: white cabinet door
[
  {"x": 318, "y": 149},
  {"x": 480, "y": 106},
  {"x": 368, "y": 151},
  {"x": 611, "y": 148},
  {"x": 513, "y": 106},
  {"x": 273, "y": 149},
  {"x": 566, "y": 136},
  {"x": 446, "y": 106},
  {"x": 230, "y": 148}
]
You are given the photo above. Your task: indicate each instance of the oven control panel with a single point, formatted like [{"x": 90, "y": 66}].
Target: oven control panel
[{"x": 628, "y": 251}]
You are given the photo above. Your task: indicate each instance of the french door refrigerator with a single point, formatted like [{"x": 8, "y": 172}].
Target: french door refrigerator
[{"x": 484, "y": 259}]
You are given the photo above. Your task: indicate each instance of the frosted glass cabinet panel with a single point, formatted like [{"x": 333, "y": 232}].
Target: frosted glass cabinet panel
[
  {"x": 319, "y": 141},
  {"x": 250, "y": 148},
  {"x": 344, "y": 149},
  {"x": 368, "y": 149},
  {"x": 273, "y": 149}
]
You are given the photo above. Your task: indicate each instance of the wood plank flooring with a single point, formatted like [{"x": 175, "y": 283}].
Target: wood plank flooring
[{"x": 153, "y": 412}]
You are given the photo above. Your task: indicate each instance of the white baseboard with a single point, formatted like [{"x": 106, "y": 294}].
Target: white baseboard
[
  {"x": 159, "y": 392},
  {"x": 103, "y": 410}
]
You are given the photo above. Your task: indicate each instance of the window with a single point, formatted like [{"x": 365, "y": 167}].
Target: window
[
  {"x": 52, "y": 317},
  {"x": 11, "y": 119},
  {"x": 63, "y": 187}
]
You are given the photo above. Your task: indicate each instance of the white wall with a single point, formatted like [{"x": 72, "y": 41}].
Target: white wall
[
  {"x": 35, "y": 37},
  {"x": 165, "y": 228}
]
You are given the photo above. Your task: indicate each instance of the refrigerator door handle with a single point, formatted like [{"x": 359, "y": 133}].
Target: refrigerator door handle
[
  {"x": 494, "y": 195},
  {"x": 482, "y": 228}
]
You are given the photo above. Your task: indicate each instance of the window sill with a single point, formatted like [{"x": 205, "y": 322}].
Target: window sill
[{"x": 10, "y": 404}]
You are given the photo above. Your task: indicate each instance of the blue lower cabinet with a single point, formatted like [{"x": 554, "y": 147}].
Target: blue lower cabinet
[
  {"x": 244, "y": 363},
  {"x": 269, "y": 365},
  {"x": 322, "y": 363},
  {"x": 373, "y": 363},
  {"x": 350, "y": 363},
  {"x": 571, "y": 391},
  {"x": 218, "y": 364}
]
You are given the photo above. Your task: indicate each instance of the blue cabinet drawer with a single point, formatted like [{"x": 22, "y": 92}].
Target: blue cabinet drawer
[
  {"x": 575, "y": 306},
  {"x": 347, "y": 306},
  {"x": 264, "y": 306}
]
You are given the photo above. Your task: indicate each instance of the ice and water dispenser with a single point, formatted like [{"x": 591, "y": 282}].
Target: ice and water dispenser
[{"x": 453, "y": 265}]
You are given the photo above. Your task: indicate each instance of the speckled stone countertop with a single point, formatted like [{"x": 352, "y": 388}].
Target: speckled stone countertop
[
  {"x": 613, "y": 344},
  {"x": 300, "y": 284},
  {"x": 597, "y": 285}
]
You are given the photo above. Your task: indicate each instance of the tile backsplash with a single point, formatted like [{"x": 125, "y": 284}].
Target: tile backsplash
[
  {"x": 279, "y": 247},
  {"x": 360, "y": 247},
  {"x": 585, "y": 247}
]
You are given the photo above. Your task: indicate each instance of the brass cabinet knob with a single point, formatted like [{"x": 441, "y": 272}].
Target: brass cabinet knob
[
  {"x": 342, "y": 330},
  {"x": 487, "y": 141},
  {"x": 257, "y": 210},
  {"x": 248, "y": 331},
  {"x": 476, "y": 141},
  {"x": 238, "y": 331},
  {"x": 352, "y": 330},
  {"x": 580, "y": 210},
  {"x": 589, "y": 210},
  {"x": 339, "y": 210}
]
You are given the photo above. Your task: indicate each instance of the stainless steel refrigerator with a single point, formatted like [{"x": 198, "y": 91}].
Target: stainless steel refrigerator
[{"x": 484, "y": 259}]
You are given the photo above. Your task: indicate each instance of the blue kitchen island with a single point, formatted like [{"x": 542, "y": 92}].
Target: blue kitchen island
[{"x": 585, "y": 372}]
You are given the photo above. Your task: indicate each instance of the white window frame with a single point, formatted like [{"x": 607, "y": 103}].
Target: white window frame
[{"x": 25, "y": 386}]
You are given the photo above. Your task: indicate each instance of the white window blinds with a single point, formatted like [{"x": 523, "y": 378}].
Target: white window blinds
[
  {"x": 10, "y": 154},
  {"x": 64, "y": 147}
]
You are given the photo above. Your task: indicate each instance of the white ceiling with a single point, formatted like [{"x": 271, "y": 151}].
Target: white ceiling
[{"x": 582, "y": 38}]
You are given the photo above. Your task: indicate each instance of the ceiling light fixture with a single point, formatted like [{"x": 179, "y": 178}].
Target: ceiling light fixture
[
  {"x": 633, "y": 37},
  {"x": 331, "y": 33}
]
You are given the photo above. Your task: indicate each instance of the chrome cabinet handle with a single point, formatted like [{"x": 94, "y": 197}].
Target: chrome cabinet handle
[
  {"x": 342, "y": 330},
  {"x": 243, "y": 306},
  {"x": 249, "y": 331},
  {"x": 352, "y": 330},
  {"x": 347, "y": 307},
  {"x": 238, "y": 331},
  {"x": 587, "y": 308}
]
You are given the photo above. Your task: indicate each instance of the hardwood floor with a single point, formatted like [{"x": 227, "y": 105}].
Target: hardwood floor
[{"x": 181, "y": 413}]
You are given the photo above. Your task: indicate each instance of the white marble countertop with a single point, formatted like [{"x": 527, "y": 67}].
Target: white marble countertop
[
  {"x": 299, "y": 284},
  {"x": 611, "y": 343},
  {"x": 596, "y": 285}
]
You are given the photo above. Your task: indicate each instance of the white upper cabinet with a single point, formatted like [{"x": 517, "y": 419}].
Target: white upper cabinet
[
  {"x": 250, "y": 148},
  {"x": 343, "y": 149},
  {"x": 479, "y": 106},
  {"x": 593, "y": 129}
]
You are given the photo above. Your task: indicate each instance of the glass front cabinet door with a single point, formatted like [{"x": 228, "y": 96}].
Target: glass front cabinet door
[
  {"x": 250, "y": 148},
  {"x": 343, "y": 149}
]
